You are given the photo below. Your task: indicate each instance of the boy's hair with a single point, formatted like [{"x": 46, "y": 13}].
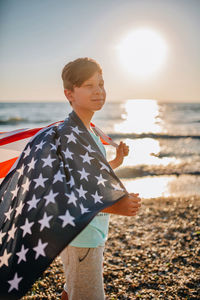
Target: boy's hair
[{"x": 78, "y": 71}]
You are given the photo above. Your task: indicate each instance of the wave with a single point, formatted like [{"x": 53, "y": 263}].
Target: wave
[
  {"x": 141, "y": 171},
  {"x": 151, "y": 135},
  {"x": 18, "y": 120}
]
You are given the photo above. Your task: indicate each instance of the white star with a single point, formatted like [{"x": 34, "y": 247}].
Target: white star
[
  {"x": 27, "y": 227},
  {"x": 45, "y": 221},
  {"x": 4, "y": 258},
  {"x": 33, "y": 203},
  {"x": 84, "y": 209},
  {"x": 14, "y": 193},
  {"x": 1, "y": 236},
  {"x": 58, "y": 142},
  {"x": 71, "y": 138},
  {"x": 8, "y": 213},
  {"x": 87, "y": 158},
  {"x": 31, "y": 164},
  {"x": 89, "y": 148},
  {"x": 27, "y": 151},
  {"x": 67, "y": 219},
  {"x": 40, "y": 249},
  {"x": 14, "y": 282},
  {"x": 19, "y": 209},
  {"x": 103, "y": 166},
  {"x": 101, "y": 180},
  {"x": 48, "y": 161},
  {"x": 84, "y": 174},
  {"x": 26, "y": 185},
  {"x": 81, "y": 192},
  {"x": 58, "y": 177},
  {"x": 11, "y": 232},
  {"x": 40, "y": 181},
  {"x": 71, "y": 181},
  {"x": 22, "y": 254},
  {"x": 50, "y": 198},
  {"x": 117, "y": 187},
  {"x": 72, "y": 198},
  {"x": 53, "y": 147},
  {"x": 49, "y": 132},
  {"x": 39, "y": 146},
  {"x": 21, "y": 170},
  {"x": 76, "y": 130},
  {"x": 97, "y": 198},
  {"x": 68, "y": 154}
]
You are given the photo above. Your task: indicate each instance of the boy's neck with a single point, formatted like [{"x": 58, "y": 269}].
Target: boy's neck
[{"x": 85, "y": 116}]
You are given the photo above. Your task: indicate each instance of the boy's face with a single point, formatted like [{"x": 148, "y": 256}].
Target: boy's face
[{"x": 89, "y": 96}]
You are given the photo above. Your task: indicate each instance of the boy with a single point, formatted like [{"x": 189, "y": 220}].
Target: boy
[{"x": 83, "y": 258}]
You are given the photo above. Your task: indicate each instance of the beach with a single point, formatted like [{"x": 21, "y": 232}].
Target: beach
[{"x": 155, "y": 255}]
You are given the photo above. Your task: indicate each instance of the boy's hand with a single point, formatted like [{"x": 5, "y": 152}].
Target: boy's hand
[
  {"x": 127, "y": 206},
  {"x": 121, "y": 152}
]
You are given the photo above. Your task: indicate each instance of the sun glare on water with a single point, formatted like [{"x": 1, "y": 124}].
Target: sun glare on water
[{"x": 142, "y": 52}]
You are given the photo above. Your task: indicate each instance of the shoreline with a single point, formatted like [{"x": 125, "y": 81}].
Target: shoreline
[{"x": 155, "y": 255}]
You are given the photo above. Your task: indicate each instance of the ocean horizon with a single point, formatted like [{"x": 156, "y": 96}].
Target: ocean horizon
[{"x": 164, "y": 140}]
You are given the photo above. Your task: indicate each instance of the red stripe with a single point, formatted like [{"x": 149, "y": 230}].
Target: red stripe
[
  {"x": 19, "y": 136},
  {"x": 6, "y": 166}
]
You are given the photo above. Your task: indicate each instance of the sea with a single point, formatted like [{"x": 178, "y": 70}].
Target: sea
[{"x": 164, "y": 140}]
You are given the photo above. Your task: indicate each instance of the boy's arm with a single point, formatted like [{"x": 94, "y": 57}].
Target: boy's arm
[
  {"x": 127, "y": 206},
  {"x": 121, "y": 152}
]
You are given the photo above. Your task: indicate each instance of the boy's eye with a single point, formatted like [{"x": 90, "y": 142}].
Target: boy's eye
[{"x": 89, "y": 84}]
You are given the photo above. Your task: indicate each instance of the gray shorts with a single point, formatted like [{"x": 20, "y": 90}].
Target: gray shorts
[{"x": 83, "y": 269}]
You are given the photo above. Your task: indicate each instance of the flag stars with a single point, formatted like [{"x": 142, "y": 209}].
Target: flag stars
[
  {"x": 89, "y": 148},
  {"x": 8, "y": 213},
  {"x": 97, "y": 198},
  {"x": 104, "y": 167},
  {"x": 68, "y": 154},
  {"x": 21, "y": 170},
  {"x": 86, "y": 158},
  {"x": 84, "y": 174},
  {"x": 22, "y": 254},
  {"x": 117, "y": 187},
  {"x": 39, "y": 146},
  {"x": 4, "y": 258},
  {"x": 39, "y": 249},
  {"x": 84, "y": 209},
  {"x": 67, "y": 219},
  {"x": 14, "y": 283},
  {"x": 76, "y": 130},
  {"x": 19, "y": 208},
  {"x": 11, "y": 232},
  {"x": 14, "y": 193},
  {"x": 27, "y": 151},
  {"x": 40, "y": 181},
  {"x": 50, "y": 198},
  {"x": 81, "y": 192},
  {"x": 101, "y": 180},
  {"x": 72, "y": 198},
  {"x": 27, "y": 227},
  {"x": 2, "y": 234},
  {"x": 31, "y": 165},
  {"x": 48, "y": 161},
  {"x": 26, "y": 185},
  {"x": 33, "y": 203},
  {"x": 45, "y": 221},
  {"x": 58, "y": 177},
  {"x": 71, "y": 138}
]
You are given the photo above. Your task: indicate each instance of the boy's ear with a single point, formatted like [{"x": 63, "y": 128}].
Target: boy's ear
[{"x": 68, "y": 94}]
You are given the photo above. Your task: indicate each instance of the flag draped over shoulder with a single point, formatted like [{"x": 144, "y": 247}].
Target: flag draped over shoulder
[{"x": 59, "y": 183}]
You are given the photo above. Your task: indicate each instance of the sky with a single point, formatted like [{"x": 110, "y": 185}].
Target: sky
[{"x": 39, "y": 37}]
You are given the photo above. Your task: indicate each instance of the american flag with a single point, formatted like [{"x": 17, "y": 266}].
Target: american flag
[{"x": 58, "y": 184}]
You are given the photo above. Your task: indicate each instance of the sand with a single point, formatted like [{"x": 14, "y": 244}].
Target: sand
[{"x": 155, "y": 255}]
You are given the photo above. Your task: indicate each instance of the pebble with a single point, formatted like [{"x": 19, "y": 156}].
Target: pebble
[{"x": 153, "y": 256}]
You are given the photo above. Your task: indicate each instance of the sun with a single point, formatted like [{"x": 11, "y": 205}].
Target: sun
[{"x": 142, "y": 52}]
